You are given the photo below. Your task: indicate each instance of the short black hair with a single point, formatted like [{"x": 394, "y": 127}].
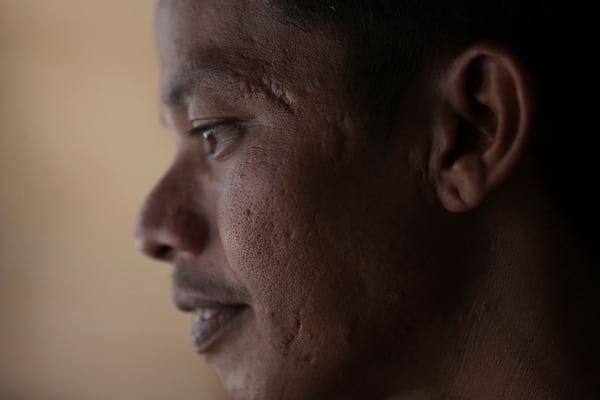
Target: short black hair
[{"x": 390, "y": 41}]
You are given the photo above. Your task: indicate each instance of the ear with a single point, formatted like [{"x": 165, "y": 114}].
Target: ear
[{"x": 482, "y": 125}]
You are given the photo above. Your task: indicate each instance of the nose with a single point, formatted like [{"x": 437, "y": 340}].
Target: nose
[{"x": 172, "y": 220}]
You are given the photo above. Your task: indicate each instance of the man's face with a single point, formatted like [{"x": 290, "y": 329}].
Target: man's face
[{"x": 299, "y": 236}]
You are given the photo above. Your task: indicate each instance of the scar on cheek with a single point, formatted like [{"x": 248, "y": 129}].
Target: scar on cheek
[{"x": 293, "y": 343}]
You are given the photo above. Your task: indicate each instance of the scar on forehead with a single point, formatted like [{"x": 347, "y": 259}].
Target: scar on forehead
[
  {"x": 278, "y": 93},
  {"x": 270, "y": 88}
]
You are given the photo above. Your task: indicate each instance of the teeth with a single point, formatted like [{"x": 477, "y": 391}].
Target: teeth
[{"x": 203, "y": 314}]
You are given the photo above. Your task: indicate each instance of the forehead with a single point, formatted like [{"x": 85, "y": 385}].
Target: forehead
[
  {"x": 184, "y": 25},
  {"x": 207, "y": 42}
]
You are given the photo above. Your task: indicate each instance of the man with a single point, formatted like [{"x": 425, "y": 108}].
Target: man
[{"x": 365, "y": 202}]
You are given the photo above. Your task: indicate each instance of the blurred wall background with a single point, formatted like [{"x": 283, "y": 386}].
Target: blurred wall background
[{"x": 82, "y": 315}]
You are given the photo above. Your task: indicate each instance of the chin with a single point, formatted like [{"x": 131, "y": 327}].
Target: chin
[{"x": 272, "y": 376}]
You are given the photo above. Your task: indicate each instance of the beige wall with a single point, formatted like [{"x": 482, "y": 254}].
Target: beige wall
[{"x": 82, "y": 315}]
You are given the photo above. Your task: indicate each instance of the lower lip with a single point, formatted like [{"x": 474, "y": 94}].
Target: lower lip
[{"x": 205, "y": 333}]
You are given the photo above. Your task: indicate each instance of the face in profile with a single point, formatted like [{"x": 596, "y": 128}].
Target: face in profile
[{"x": 301, "y": 242}]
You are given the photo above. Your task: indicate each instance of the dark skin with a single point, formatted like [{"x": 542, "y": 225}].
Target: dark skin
[{"x": 428, "y": 266}]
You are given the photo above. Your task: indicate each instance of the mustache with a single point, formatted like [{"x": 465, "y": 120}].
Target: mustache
[{"x": 205, "y": 285}]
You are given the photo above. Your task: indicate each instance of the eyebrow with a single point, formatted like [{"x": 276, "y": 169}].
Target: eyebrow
[{"x": 206, "y": 66}]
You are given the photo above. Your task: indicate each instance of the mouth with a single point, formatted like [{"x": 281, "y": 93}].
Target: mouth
[
  {"x": 212, "y": 319},
  {"x": 212, "y": 323}
]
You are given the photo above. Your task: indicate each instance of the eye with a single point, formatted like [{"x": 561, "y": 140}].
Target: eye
[{"x": 219, "y": 135}]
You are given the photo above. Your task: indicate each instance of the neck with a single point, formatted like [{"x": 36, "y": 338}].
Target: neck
[
  {"x": 529, "y": 328},
  {"x": 532, "y": 325}
]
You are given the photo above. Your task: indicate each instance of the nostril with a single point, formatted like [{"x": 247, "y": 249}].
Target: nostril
[
  {"x": 163, "y": 252},
  {"x": 167, "y": 224}
]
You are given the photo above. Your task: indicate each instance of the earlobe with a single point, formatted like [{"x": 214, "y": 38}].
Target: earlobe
[
  {"x": 482, "y": 125},
  {"x": 462, "y": 187}
]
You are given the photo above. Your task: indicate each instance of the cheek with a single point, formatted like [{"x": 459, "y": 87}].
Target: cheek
[
  {"x": 269, "y": 221},
  {"x": 266, "y": 231},
  {"x": 300, "y": 231}
]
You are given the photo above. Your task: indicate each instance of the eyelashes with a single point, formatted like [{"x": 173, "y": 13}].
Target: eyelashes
[{"x": 220, "y": 136}]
